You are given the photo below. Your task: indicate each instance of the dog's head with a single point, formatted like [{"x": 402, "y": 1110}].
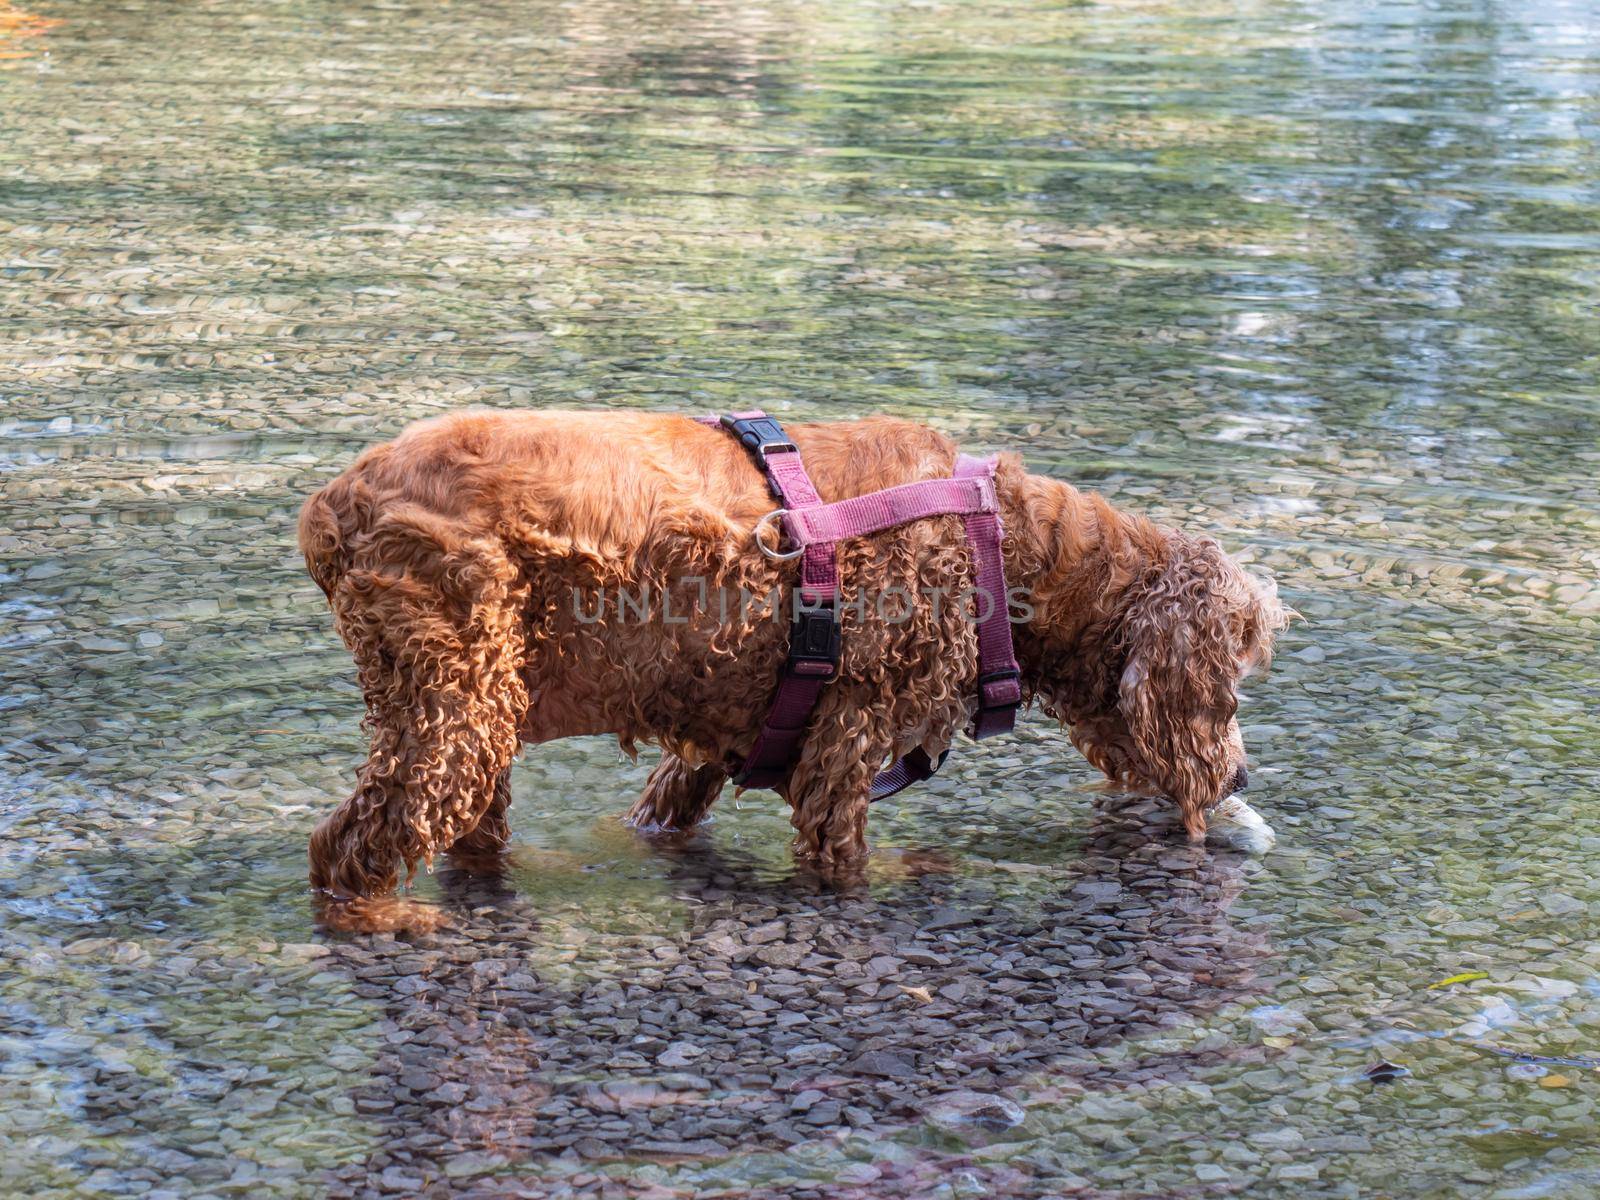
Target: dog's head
[
  {"x": 1197, "y": 626},
  {"x": 1158, "y": 708}
]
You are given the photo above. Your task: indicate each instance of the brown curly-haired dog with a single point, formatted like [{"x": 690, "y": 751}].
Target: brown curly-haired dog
[{"x": 512, "y": 577}]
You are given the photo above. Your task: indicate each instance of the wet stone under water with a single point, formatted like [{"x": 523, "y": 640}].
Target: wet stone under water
[
  {"x": 780, "y": 1013},
  {"x": 1315, "y": 279}
]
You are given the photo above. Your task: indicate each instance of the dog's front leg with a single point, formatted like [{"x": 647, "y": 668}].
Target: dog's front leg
[
  {"x": 677, "y": 795},
  {"x": 830, "y": 788},
  {"x": 493, "y": 829}
]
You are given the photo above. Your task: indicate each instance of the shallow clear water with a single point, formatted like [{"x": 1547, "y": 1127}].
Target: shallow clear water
[{"x": 1319, "y": 279}]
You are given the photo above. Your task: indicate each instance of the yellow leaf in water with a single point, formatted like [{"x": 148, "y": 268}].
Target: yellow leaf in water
[
  {"x": 16, "y": 24},
  {"x": 1277, "y": 1043},
  {"x": 1555, "y": 1081},
  {"x": 920, "y": 994},
  {"x": 1464, "y": 977}
]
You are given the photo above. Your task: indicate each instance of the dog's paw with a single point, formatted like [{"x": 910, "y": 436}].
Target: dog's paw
[
  {"x": 379, "y": 914},
  {"x": 1234, "y": 825}
]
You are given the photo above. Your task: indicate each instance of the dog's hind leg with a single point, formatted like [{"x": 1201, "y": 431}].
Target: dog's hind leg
[
  {"x": 677, "y": 796},
  {"x": 440, "y": 670}
]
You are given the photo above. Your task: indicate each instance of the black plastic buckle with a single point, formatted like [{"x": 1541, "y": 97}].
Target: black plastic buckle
[
  {"x": 1011, "y": 674},
  {"x": 814, "y": 641},
  {"x": 759, "y": 435}
]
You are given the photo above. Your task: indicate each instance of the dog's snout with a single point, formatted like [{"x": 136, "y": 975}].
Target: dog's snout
[{"x": 1241, "y": 780}]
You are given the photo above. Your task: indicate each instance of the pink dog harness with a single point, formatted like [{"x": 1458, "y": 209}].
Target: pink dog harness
[{"x": 813, "y": 528}]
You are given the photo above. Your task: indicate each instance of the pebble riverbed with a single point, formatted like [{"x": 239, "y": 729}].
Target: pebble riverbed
[{"x": 1318, "y": 279}]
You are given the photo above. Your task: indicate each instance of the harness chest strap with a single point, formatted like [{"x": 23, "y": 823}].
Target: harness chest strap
[{"x": 814, "y": 637}]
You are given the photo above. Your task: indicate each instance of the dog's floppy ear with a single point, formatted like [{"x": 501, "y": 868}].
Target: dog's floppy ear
[{"x": 1195, "y": 625}]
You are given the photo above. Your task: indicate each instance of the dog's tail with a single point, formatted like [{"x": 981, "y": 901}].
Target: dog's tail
[{"x": 329, "y": 522}]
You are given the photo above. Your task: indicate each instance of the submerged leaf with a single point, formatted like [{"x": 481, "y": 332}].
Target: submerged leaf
[
  {"x": 1384, "y": 1071},
  {"x": 1464, "y": 977}
]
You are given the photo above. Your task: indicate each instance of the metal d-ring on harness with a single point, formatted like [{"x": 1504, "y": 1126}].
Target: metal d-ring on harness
[{"x": 813, "y": 528}]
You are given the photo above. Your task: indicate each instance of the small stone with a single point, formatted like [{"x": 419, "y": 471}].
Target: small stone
[
  {"x": 396, "y": 1179},
  {"x": 947, "y": 918},
  {"x": 1559, "y": 904},
  {"x": 448, "y": 1093},
  {"x": 884, "y": 1065},
  {"x": 858, "y": 1173},
  {"x": 679, "y": 1054},
  {"x": 981, "y": 1110},
  {"x": 696, "y": 1148},
  {"x": 88, "y": 946},
  {"x": 782, "y": 954},
  {"x": 828, "y": 1112},
  {"x": 471, "y": 1162}
]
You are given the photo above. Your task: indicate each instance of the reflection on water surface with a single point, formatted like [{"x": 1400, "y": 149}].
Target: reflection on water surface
[{"x": 1318, "y": 278}]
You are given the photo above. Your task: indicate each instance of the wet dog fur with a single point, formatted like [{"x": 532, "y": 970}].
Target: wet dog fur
[{"x": 462, "y": 562}]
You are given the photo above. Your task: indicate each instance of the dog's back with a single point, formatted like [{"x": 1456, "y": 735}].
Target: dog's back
[{"x": 601, "y": 480}]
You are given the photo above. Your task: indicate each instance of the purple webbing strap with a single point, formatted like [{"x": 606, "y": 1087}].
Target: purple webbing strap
[
  {"x": 819, "y": 573},
  {"x": 877, "y": 511},
  {"x": 999, "y": 678},
  {"x": 800, "y": 684},
  {"x": 816, "y": 527},
  {"x": 913, "y": 767}
]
